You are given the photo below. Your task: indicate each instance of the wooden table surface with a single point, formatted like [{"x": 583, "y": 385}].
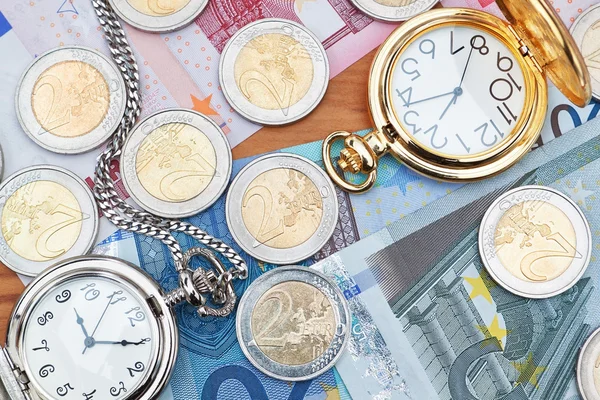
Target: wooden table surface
[{"x": 343, "y": 108}]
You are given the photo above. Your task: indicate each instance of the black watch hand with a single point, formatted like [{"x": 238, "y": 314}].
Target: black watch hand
[
  {"x": 80, "y": 323},
  {"x": 122, "y": 342},
  {"x": 462, "y": 78}
]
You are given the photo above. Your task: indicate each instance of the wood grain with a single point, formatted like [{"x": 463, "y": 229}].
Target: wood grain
[{"x": 343, "y": 108}]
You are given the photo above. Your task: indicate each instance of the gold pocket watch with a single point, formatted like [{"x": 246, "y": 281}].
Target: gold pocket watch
[{"x": 460, "y": 95}]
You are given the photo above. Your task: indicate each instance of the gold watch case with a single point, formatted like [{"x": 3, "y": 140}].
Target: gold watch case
[{"x": 541, "y": 44}]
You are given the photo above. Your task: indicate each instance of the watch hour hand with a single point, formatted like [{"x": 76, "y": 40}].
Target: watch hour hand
[
  {"x": 80, "y": 323},
  {"x": 123, "y": 342}
]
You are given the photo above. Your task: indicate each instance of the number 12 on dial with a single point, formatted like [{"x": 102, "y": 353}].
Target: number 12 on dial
[
  {"x": 458, "y": 90},
  {"x": 460, "y": 95}
]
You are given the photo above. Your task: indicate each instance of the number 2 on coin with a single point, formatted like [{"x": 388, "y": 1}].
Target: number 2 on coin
[
  {"x": 265, "y": 195},
  {"x": 52, "y": 120},
  {"x": 530, "y": 258},
  {"x": 283, "y": 301},
  {"x": 72, "y": 217},
  {"x": 282, "y": 100}
]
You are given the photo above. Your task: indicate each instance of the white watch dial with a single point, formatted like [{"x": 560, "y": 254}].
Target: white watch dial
[
  {"x": 89, "y": 338},
  {"x": 458, "y": 90}
]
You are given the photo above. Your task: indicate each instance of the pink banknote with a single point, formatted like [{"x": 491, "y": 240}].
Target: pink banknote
[
  {"x": 568, "y": 10},
  {"x": 181, "y": 68}
]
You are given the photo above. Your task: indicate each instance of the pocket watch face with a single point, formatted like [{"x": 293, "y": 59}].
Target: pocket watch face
[
  {"x": 458, "y": 90},
  {"x": 89, "y": 338}
]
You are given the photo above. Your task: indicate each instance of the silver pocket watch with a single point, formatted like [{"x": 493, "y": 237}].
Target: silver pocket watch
[{"x": 96, "y": 327}]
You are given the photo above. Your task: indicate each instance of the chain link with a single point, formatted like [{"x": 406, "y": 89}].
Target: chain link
[{"x": 119, "y": 212}]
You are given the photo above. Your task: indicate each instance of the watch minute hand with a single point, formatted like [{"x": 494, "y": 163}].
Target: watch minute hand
[
  {"x": 429, "y": 98},
  {"x": 110, "y": 298},
  {"x": 462, "y": 78}
]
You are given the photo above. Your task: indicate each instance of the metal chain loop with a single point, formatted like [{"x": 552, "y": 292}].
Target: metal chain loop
[{"x": 119, "y": 212}]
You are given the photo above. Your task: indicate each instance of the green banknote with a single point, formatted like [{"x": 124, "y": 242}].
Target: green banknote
[{"x": 429, "y": 322}]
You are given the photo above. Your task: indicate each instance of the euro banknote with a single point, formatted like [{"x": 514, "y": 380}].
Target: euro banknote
[
  {"x": 568, "y": 10},
  {"x": 180, "y": 69},
  {"x": 209, "y": 345},
  {"x": 430, "y": 323},
  {"x": 211, "y": 364},
  {"x": 28, "y": 28}
]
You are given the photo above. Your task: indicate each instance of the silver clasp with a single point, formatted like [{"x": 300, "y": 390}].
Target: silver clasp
[{"x": 193, "y": 285}]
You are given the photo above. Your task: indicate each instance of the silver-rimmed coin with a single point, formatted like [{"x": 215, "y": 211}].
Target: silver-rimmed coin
[
  {"x": 586, "y": 32},
  {"x": 70, "y": 99},
  {"x": 274, "y": 71},
  {"x": 281, "y": 208},
  {"x": 47, "y": 214},
  {"x": 588, "y": 368},
  {"x": 1, "y": 164},
  {"x": 158, "y": 15},
  {"x": 535, "y": 242},
  {"x": 176, "y": 163},
  {"x": 393, "y": 10},
  {"x": 293, "y": 323}
]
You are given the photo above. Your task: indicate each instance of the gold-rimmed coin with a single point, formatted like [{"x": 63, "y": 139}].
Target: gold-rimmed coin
[
  {"x": 586, "y": 33},
  {"x": 281, "y": 208},
  {"x": 274, "y": 71},
  {"x": 588, "y": 367},
  {"x": 158, "y": 15}
]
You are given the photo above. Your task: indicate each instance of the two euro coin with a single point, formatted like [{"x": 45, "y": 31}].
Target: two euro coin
[
  {"x": 393, "y": 10},
  {"x": 535, "y": 242},
  {"x": 158, "y": 15},
  {"x": 293, "y": 323},
  {"x": 281, "y": 208},
  {"x": 47, "y": 214},
  {"x": 70, "y": 99},
  {"x": 176, "y": 163},
  {"x": 588, "y": 368},
  {"x": 586, "y": 34},
  {"x": 274, "y": 71}
]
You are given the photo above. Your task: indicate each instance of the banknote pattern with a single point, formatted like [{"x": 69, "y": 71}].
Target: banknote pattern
[
  {"x": 367, "y": 345},
  {"x": 26, "y": 31},
  {"x": 210, "y": 345},
  {"x": 462, "y": 335},
  {"x": 211, "y": 364},
  {"x": 180, "y": 69}
]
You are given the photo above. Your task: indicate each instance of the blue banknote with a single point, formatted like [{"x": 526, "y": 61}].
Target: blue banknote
[
  {"x": 211, "y": 364},
  {"x": 430, "y": 323}
]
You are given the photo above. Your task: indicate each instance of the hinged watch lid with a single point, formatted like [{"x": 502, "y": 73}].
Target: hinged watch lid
[{"x": 553, "y": 47}]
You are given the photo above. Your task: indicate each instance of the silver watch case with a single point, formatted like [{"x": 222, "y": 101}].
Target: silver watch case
[{"x": 102, "y": 266}]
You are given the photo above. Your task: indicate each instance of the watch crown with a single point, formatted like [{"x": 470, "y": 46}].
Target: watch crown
[{"x": 350, "y": 161}]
